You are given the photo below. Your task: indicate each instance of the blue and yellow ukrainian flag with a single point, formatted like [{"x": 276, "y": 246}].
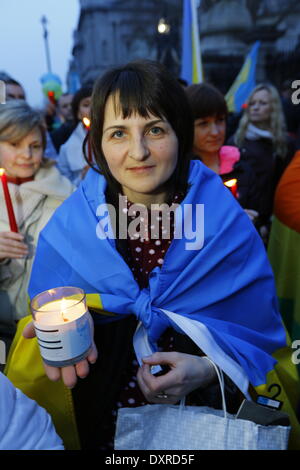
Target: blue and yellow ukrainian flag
[
  {"x": 244, "y": 83},
  {"x": 191, "y": 64},
  {"x": 236, "y": 321}
]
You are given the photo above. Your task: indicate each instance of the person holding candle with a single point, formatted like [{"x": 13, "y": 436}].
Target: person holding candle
[
  {"x": 64, "y": 107},
  {"x": 189, "y": 297},
  {"x": 265, "y": 145},
  {"x": 210, "y": 112},
  {"x": 60, "y": 136},
  {"x": 71, "y": 162},
  {"x": 31, "y": 190}
]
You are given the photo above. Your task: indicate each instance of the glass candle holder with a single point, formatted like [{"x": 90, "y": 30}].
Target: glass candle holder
[{"x": 62, "y": 326}]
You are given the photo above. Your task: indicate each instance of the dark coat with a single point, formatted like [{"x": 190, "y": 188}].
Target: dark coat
[
  {"x": 246, "y": 184},
  {"x": 60, "y": 136},
  {"x": 268, "y": 168}
]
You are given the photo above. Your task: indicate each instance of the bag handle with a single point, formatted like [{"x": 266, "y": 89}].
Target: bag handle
[{"x": 220, "y": 376}]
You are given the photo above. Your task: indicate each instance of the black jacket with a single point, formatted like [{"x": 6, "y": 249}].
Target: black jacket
[
  {"x": 60, "y": 136},
  {"x": 268, "y": 168},
  {"x": 246, "y": 184}
]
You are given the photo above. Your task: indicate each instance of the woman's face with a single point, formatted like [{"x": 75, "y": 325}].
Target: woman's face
[
  {"x": 84, "y": 108},
  {"x": 141, "y": 153},
  {"x": 209, "y": 134},
  {"x": 260, "y": 107},
  {"x": 22, "y": 159}
]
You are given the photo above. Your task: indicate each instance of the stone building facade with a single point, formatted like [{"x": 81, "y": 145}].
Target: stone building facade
[
  {"x": 111, "y": 32},
  {"x": 230, "y": 27}
]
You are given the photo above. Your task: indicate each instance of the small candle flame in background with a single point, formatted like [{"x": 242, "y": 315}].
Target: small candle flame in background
[
  {"x": 231, "y": 183},
  {"x": 2, "y": 171},
  {"x": 87, "y": 122},
  {"x": 51, "y": 96}
]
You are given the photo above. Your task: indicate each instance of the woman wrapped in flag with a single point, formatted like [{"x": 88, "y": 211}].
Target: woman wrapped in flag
[{"x": 168, "y": 260}]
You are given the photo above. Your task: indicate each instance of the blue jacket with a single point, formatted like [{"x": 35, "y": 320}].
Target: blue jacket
[{"x": 24, "y": 425}]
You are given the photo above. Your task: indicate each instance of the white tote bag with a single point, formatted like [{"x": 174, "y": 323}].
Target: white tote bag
[{"x": 172, "y": 427}]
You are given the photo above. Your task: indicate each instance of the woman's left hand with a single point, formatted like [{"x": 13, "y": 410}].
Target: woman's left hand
[
  {"x": 187, "y": 372},
  {"x": 67, "y": 374}
]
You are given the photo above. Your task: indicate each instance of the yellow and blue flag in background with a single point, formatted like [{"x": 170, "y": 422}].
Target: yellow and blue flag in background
[
  {"x": 191, "y": 63},
  {"x": 244, "y": 83}
]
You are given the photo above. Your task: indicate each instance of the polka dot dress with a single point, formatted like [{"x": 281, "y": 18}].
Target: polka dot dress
[
  {"x": 147, "y": 253},
  {"x": 144, "y": 255}
]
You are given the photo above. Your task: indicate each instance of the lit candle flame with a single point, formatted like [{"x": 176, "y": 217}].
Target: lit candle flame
[
  {"x": 87, "y": 122},
  {"x": 231, "y": 183},
  {"x": 2, "y": 171},
  {"x": 63, "y": 307}
]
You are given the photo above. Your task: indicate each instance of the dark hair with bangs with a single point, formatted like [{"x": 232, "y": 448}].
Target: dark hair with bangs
[
  {"x": 206, "y": 100},
  {"x": 143, "y": 87}
]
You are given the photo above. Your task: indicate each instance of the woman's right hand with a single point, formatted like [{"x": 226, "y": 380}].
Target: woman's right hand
[
  {"x": 187, "y": 373},
  {"x": 12, "y": 245},
  {"x": 67, "y": 374}
]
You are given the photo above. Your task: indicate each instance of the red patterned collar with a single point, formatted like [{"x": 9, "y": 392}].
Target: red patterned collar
[{"x": 19, "y": 181}]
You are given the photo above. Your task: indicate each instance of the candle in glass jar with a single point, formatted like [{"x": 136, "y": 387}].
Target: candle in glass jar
[{"x": 62, "y": 325}]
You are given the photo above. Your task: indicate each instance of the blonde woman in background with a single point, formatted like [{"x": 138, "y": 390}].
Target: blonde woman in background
[
  {"x": 37, "y": 189},
  {"x": 264, "y": 143}
]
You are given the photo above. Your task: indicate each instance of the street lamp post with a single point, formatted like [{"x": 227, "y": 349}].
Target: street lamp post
[
  {"x": 163, "y": 26},
  {"x": 166, "y": 42},
  {"x": 163, "y": 31},
  {"x": 44, "y": 22}
]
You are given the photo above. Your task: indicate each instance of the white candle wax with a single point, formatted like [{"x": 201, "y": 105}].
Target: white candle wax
[
  {"x": 59, "y": 312},
  {"x": 63, "y": 331}
]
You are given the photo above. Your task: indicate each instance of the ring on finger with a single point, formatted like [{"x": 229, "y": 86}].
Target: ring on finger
[{"x": 162, "y": 395}]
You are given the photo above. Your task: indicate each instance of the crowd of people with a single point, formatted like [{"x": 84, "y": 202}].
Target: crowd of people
[{"x": 156, "y": 142}]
